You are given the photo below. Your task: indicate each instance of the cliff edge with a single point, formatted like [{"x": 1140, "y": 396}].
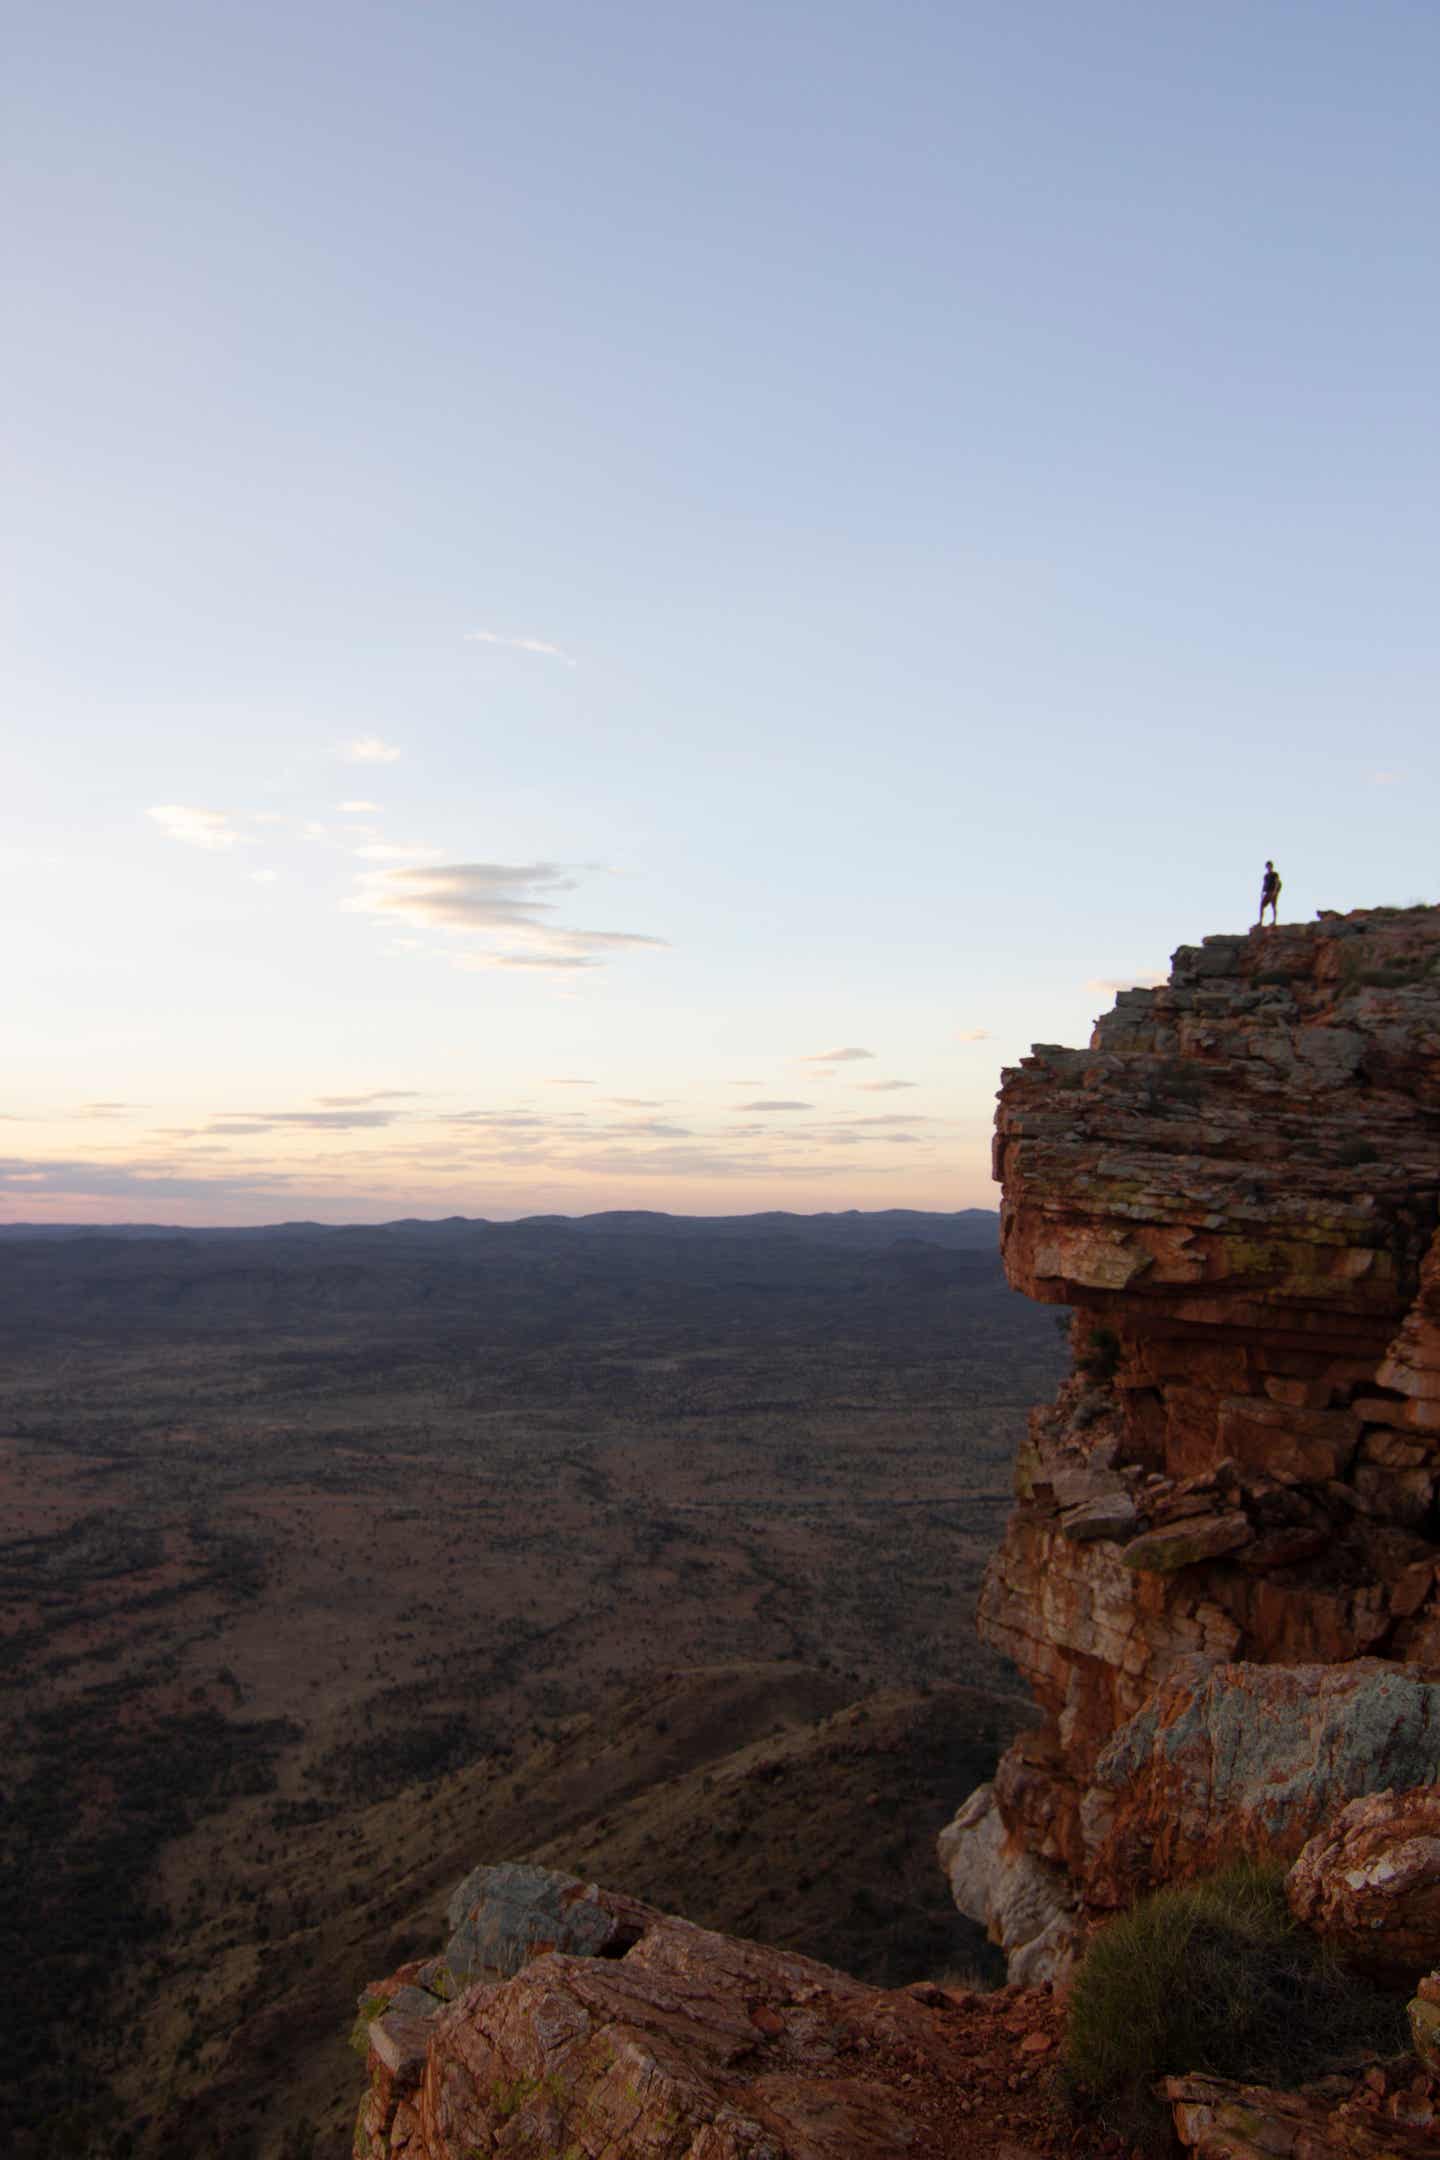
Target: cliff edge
[{"x": 1220, "y": 1579}]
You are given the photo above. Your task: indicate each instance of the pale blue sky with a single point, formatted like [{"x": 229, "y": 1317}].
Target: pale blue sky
[{"x": 975, "y": 467}]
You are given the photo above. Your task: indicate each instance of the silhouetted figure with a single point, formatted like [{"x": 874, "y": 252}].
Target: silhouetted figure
[{"x": 1269, "y": 895}]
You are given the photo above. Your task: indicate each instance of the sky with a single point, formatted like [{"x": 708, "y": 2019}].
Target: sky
[{"x": 616, "y": 605}]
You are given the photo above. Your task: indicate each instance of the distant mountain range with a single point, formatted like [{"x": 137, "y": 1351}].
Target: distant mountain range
[
  {"x": 965, "y": 1230},
  {"x": 596, "y": 1273}
]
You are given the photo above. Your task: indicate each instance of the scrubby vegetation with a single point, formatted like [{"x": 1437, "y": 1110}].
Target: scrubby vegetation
[
  {"x": 305, "y": 1529},
  {"x": 1213, "y": 1976}
]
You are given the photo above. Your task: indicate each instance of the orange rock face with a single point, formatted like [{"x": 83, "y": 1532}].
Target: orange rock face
[{"x": 1236, "y": 1188}]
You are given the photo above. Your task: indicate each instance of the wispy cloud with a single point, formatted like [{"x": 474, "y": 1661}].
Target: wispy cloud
[
  {"x": 1386, "y": 779},
  {"x": 546, "y": 962},
  {"x": 973, "y": 1035},
  {"x": 369, "y": 750},
  {"x": 509, "y": 903},
  {"x": 264, "y": 877},
  {"x": 834, "y": 1057},
  {"x": 396, "y": 851},
  {"x": 362, "y": 1102},
  {"x": 258, "y": 1121},
  {"x": 651, "y": 1129},
  {"x": 355, "y": 808},
  {"x": 197, "y": 828},
  {"x": 883, "y": 1087},
  {"x": 1117, "y": 983},
  {"x": 773, "y": 1102},
  {"x": 567, "y": 1080},
  {"x": 541, "y": 646},
  {"x": 108, "y": 1109},
  {"x": 156, "y": 1183}
]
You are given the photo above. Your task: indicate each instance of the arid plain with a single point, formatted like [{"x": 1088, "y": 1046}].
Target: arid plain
[{"x": 335, "y": 1562}]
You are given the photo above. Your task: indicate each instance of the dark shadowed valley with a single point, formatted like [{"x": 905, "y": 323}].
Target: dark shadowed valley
[{"x": 337, "y": 1561}]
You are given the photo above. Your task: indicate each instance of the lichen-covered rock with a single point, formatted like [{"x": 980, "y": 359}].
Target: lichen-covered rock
[
  {"x": 1237, "y": 1188},
  {"x": 502, "y": 1916},
  {"x": 1369, "y": 1882},
  {"x": 1246, "y": 1760}
]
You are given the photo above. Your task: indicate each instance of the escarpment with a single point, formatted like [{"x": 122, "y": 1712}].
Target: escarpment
[{"x": 1220, "y": 1579}]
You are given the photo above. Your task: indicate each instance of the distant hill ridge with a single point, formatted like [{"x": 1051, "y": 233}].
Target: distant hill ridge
[
  {"x": 965, "y": 1229},
  {"x": 600, "y": 1275}
]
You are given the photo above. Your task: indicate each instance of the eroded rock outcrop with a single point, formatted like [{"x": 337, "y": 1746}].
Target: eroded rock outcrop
[
  {"x": 589, "y": 2026},
  {"x": 1221, "y": 1576}
]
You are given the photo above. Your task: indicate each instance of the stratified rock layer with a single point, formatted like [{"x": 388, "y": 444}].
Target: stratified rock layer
[{"x": 1236, "y": 1187}]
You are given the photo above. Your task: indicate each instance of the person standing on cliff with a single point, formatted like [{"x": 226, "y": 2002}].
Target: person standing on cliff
[{"x": 1269, "y": 896}]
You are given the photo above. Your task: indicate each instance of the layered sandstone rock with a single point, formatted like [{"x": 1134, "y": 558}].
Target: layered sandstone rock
[{"x": 1236, "y": 1188}]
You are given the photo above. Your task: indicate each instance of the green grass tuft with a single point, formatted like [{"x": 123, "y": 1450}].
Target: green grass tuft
[{"x": 1214, "y": 1976}]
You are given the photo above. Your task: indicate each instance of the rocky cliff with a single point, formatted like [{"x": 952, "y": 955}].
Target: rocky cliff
[{"x": 1220, "y": 1579}]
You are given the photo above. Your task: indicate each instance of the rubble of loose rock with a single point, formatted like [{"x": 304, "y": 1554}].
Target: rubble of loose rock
[{"x": 1220, "y": 1579}]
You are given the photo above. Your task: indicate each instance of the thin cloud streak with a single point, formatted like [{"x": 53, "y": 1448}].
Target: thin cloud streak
[
  {"x": 540, "y": 646},
  {"x": 363, "y": 1102},
  {"x": 259, "y": 1121}
]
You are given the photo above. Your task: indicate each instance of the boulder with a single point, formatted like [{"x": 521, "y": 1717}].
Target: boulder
[
  {"x": 501, "y": 1916},
  {"x": 1369, "y": 1882}
]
